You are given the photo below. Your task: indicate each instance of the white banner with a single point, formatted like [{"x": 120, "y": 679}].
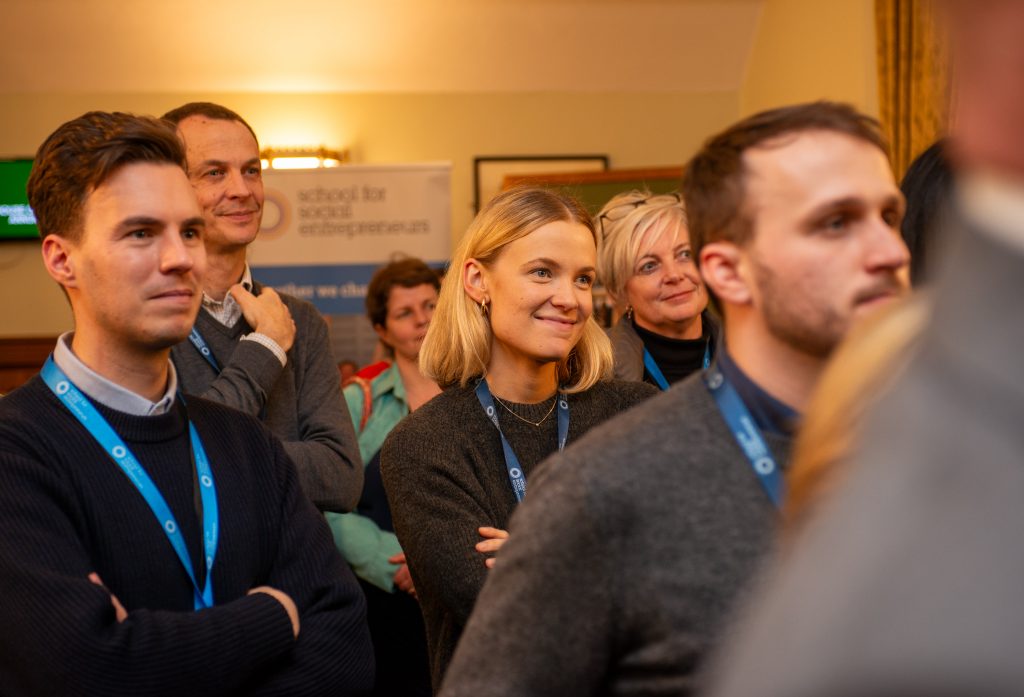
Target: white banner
[{"x": 325, "y": 231}]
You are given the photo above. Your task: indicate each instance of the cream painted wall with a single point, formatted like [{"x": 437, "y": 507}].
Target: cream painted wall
[
  {"x": 635, "y": 129},
  {"x": 812, "y": 49},
  {"x": 804, "y": 49}
]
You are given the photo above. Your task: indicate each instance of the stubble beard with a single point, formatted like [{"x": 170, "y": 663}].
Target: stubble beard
[{"x": 799, "y": 322}]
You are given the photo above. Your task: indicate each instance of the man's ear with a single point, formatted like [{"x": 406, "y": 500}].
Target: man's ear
[
  {"x": 723, "y": 269},
  {"x": 474, "y": 281},
  {"x": 59, "y": 260}
]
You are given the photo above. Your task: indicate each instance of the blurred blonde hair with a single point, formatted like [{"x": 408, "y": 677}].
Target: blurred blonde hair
[
  {"x": 457, "y": 347},
  {"x": 624, "y": 222},
  {"x": 864, "y": 365}
]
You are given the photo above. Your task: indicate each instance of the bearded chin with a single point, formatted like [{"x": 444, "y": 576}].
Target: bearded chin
[
  {"x": 803, "y": 323},
  {"x": 806, "y": 337}
]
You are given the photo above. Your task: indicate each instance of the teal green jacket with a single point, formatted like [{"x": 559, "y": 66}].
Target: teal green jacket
[{"x": 363, "y": 544}]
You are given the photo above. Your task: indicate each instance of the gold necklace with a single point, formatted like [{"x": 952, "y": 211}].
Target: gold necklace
[{"x": 532, "y": 423}]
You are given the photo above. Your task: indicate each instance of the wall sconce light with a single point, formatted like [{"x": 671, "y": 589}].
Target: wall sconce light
[{"x": 302, "y": 158}]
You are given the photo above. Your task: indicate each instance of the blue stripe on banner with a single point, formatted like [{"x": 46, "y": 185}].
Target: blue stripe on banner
[{"x": 336, "y": 289}]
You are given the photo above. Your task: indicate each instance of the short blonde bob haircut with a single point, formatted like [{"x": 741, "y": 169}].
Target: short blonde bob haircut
[
  {"x": 457, "y": 347},
  {"x": 626, "y": 221}
]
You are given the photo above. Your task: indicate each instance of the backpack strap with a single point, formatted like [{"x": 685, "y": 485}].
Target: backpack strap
[{"x": 364, "y": 385}]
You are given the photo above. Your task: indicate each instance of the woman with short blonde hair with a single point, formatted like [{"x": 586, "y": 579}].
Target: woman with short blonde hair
[
  {"x": 458, "y": 344},
  {"x": 525, "y": 369},
  {"x": 645, "y": 263}
]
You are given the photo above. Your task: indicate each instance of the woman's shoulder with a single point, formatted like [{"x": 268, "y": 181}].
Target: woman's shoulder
[
  {"x": 453, "y": 401},
  {"x": 633, "y": 390},
  {"x": 616, "y": 395},
  {"x": 432, "y": 438},
  {"x": 438, "y": 417},
  {"x": 628, "y": 351},
  {"x": 622, "y": 334}
]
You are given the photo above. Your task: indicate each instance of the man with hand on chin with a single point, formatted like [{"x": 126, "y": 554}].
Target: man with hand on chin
[
  {"x": 251, "y": 348},
  {"x": 152, "y": 545}
]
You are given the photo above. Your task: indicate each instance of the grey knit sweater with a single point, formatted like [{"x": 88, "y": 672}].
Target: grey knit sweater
[
  {"x": 623, "y": 565},
  {"x": 300, "y": 403},
  {"x": 445, "y": 476}
]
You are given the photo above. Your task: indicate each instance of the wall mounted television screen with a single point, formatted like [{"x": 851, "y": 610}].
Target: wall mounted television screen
[{"x": 16, "y": 219}]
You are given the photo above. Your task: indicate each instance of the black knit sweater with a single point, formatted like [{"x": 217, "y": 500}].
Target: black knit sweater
[
  {"x": 67, "y": 510},
  {"x": 445, "y": 476}
]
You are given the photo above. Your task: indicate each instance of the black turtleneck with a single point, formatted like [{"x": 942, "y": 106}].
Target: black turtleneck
[{"x": 676, "y": 358}]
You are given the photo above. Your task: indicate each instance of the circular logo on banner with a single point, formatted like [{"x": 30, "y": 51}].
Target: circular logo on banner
[
  {"x": 490, "y": 411},
  {"x": 715, "y": 380},
  {"x": 207, "y": 482},
  {"x": 170, "y": 527},
  {"x": 277, "y": 214},
  {"x": 515, "y": 472},
  {"x": 63, "y": 387},
  {"x": 562, "y": 404},
  {"x": 764, "y": 466},
  {"x": 118, "y": 451},
  {"x": 205, "y": 351}
]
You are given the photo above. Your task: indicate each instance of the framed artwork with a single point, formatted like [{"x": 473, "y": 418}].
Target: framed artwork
[
  {"x": 489, "y": 173},
  {"x": 594, "y": 189}
]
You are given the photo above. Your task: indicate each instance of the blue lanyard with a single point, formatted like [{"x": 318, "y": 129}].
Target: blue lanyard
[
  {"x": 204, "y": 350},
  {"x": 655, "y": 372},
  {"x": 747, "y": 434},
  {"x": 515, "y": 473},
  {"x": 83, "y": 410}
]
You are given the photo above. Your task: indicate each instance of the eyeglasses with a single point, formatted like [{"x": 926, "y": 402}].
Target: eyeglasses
[{"x": 616, "y": 213}]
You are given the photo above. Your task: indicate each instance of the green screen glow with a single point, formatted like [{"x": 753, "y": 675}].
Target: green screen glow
[{"x": 16, "y": 219}]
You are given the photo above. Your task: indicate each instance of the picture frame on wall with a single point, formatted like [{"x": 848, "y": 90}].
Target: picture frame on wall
[{"x": 489, "y": 172}]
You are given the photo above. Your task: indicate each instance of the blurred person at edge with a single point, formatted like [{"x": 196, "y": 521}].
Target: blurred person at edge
[
  {"x": 928, "y": 189},
  {"x": 924, "y": 596},
  {"x": 400, "y": 301},
  {"x": 645, "y": 262},
  {"x": 524, "y": 368}
]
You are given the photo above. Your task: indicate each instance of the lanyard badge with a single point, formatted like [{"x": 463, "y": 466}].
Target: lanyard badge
[
  {"x": 516, "y": 476},
  {"x": 204, "y": 350},
  {"x": 747, "y": 434}
]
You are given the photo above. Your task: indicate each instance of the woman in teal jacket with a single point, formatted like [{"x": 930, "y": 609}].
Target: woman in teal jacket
[{"x": 400, "y": 301}]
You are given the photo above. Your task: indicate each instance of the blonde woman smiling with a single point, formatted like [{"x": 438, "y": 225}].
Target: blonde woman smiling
[{"x": 525, "y": 369}]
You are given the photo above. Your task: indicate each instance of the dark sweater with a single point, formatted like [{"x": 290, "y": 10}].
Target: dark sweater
[
  {"x": 445, "y": 476},
  {"x": 300, "y": 402},
  {"x": 623, "y": 566},
  {"x": 67, "y": 510}
]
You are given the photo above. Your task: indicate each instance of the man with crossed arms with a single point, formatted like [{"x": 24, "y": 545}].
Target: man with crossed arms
[{"x": 152, "y": 544}]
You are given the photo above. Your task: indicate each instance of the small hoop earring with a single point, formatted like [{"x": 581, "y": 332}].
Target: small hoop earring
[{"x": 629, "y": 312}]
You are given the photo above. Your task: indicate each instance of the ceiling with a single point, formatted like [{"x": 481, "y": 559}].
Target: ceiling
[{"x": 101, "y": 46}]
